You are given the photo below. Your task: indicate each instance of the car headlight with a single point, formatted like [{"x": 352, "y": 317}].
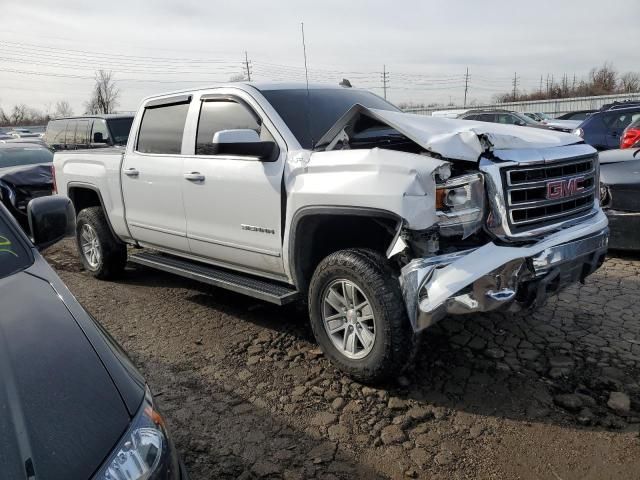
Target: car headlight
[
  {"x": 144, "y": 452},
  {"x": 460, "y": 205},
  {"x": 579, "y": 132}
]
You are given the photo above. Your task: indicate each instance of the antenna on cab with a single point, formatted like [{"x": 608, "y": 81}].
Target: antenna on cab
[{"x": 306, "y": 74}]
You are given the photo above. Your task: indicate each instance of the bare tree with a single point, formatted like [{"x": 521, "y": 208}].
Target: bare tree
[
  {"x": 630, "y": 82},
  {"x": 19, "y": 114},
  {"x": 603, "y": 79},
  {"x": 63, "y": 109},
  {"x": 105, "y": 95}
]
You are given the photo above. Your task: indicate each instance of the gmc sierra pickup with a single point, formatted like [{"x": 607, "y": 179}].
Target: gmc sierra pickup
[{"x": 383, "y": 222}]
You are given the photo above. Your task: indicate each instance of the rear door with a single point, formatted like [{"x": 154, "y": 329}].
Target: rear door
[
  {"x": 234, "y": 206},
  {"x": 152, "y": 176}
]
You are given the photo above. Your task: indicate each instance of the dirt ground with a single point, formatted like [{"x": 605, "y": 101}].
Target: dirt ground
[{"x": 247, "y": 394}]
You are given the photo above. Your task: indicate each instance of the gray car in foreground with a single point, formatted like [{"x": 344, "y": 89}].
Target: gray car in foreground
[{"x": 72, "y": 405}]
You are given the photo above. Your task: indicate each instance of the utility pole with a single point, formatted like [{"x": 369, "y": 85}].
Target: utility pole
[
  {"x": 247, "y": 65},
  {"x": 466, "y": 87},
  {"x": 515, "y": 85},
  {"x": 540, "y": 84},
  {"x": 385, "y": 80}
]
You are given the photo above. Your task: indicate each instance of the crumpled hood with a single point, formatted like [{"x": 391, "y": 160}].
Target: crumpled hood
[
  {"x": 453, "y": 138},
  {"x": 27, "y": 175},
  {"x": 60, "y": 412}
]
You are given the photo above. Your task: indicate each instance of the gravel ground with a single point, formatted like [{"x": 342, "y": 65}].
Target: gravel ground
[{"x": 247, "y": 394}]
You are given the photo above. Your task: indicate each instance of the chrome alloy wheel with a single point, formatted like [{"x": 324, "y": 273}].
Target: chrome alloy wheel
[
  {"x": 348, "y": 319},
  {"x": 90, "y": 245}
]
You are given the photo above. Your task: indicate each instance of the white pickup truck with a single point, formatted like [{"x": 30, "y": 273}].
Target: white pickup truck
[{"x": 384, "y": 222}]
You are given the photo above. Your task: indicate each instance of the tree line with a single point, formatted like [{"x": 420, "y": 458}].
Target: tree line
[
  {"x": 604, "y": 80},
  {"x": 104, "y": 98}
]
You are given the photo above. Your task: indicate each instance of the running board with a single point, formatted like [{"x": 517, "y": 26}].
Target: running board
[{"x": 268, "y": 290}]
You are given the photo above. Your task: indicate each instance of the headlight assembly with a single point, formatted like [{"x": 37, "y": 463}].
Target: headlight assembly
[
  {"x": 144, "y": 452},
  {"x": 460, "y": 205}
]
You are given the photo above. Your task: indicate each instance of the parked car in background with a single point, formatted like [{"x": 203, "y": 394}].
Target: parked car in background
[
  {"x": 25, "y": 173},
  {"x": 631, "y": 135},
  {"x": 72, "y": 404},
  {"x": 91, "y": 131},
  {"x": 620, "y": 196},
  {"x": 577, "y": 115},
  {"x": 603, "y": 129},
  {"x": 501, "y": 116},
  {"x": 23, "y": 133},
  {"x": 562, "y": 125}
]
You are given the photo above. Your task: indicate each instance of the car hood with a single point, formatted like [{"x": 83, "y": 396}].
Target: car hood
[
  {"x": 619, "y": 155},
  {"x": 60, "y": 412},
  {"x": 452, "y": 138},
  {"x": 39, "y": 174}
]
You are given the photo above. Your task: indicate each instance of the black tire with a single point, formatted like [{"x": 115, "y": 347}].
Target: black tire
[
  {"x": 113, "y": 253},
  {"x": 394, "y": 343}
]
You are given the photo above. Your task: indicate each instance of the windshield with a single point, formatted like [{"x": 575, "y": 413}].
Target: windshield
[
  {"x": 13, "y": 256},
  {"x": 326, "y": 106},
  {"x": 15, "y": 156},
  {"x": 120, "y": 129}
]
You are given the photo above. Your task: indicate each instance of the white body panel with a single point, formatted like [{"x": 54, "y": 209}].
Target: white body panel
[
  {"x": 153, "y": 198},
  {"x": 205, "y": 220}
]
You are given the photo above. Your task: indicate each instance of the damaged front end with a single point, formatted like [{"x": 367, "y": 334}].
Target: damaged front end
[{"x": 517, "y": 214}]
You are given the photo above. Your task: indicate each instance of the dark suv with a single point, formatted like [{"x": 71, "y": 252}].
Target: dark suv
[
  {"x": 602, "y": 129},
  {"x": 91, "y": 131}
]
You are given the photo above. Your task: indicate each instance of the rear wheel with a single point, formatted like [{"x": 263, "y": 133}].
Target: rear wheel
[
  {"x": 358, "y": 315},
  {"x": 101, "y": 253}
]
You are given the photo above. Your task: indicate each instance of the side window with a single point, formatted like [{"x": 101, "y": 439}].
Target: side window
[
  {"x": 506, "y": 118},
  {"x": 82, "y": 132},
  {"x": 471, "y": 117},
  {"x": 70, "y": 134},
  {"x": 55, "y": 132},
  {"x": 216, "y": 115},
  {"x": 486, "y": 117},
  {"x": 99, "y": 128},
  {"x": 162, "y": 128}
]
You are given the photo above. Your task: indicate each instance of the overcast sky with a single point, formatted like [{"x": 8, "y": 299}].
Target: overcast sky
[{"x": 50, "y": 49}]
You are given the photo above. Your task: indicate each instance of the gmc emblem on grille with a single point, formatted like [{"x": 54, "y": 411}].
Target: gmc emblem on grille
[{"x": 564, "y": 188}]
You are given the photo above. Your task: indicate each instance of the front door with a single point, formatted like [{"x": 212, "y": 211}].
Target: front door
[
  {"x": 152, "y": 178},
  {"x": 232, "y": 202}
]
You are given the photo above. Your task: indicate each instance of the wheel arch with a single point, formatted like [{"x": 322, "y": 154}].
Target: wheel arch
[
  {"x": 318, "y": 231},
  {"x": 85, "y": 195}
]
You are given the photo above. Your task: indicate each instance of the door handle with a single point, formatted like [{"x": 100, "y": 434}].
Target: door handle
[
  {"x": 131, "y": 172},
  {"x": 194, "y": 176}
]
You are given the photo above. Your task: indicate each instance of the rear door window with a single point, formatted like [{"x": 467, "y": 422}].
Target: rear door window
[
  {"x": 486, "y": 117},
  {"x": 70, "y": 134},
  {"x": 82, "y": 133},
  {"x": 55, "y": 132},
  {"x": 162, "y": 128}
]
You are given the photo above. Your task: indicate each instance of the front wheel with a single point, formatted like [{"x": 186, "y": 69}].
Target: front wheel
[
  {"x": 101, "y": 253},
  {"x": 358, "y": 315}
]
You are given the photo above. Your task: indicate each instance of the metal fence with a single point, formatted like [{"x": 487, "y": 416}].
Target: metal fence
[{"x": 553, "y": 107}]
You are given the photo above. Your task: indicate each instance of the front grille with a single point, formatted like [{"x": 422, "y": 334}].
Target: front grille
[{"x": 539, "y": 196}]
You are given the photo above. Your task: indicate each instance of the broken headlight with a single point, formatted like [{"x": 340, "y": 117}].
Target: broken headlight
[
  {"x": 144, "y": 452},
  {"x": 460, "y": 205}
]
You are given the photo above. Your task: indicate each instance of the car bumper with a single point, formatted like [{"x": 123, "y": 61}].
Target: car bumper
[
  {"x": 495, "y": 277},
  {"x": 625, "y": 230}
]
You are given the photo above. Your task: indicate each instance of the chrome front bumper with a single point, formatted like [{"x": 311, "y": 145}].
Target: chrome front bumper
[{"x": 495, "y": 277}]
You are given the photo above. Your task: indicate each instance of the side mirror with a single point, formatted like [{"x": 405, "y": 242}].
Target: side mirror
[
  {"x": 98, "y": 138},
  {"x": 51, "y": 219},
  {"x": 244, "y": 142}
]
